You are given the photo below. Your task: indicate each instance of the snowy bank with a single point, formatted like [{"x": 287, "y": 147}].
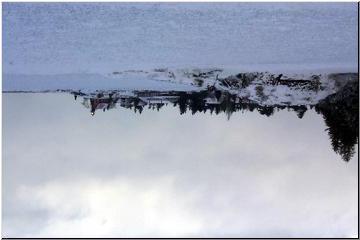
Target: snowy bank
[{"x": 264, "y": 88}]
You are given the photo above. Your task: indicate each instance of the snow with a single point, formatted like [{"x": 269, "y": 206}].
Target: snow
[
  {"x": 167, "y": 79},
  {"x": 284, "y": 95},
  {"x": 85, "y": 83}
]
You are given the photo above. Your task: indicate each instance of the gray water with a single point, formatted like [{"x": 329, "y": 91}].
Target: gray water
[
  {"x": 162, "y": 174},
  {"x": 54, "y": 38}
]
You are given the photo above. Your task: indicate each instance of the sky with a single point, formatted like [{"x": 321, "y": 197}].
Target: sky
[
  {"x": 161, "y": 174},
  {"x": 59, "y": 38}
]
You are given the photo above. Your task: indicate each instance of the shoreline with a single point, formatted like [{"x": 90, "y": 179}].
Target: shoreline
[{"x": 262, "y": 88}]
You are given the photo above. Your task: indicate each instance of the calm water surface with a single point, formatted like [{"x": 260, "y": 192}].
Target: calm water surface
[{"x": 162, "y": 174}]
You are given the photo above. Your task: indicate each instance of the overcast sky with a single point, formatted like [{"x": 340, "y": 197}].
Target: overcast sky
[{"x": 161, "y": 174}]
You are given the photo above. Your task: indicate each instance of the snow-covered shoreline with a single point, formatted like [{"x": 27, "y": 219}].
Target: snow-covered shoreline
[{"x": 264, "y": 88}]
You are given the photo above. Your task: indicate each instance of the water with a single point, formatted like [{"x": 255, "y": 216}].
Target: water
[
  {"x": 166, "y": 174},
  {"x": 38, "y": 38}
]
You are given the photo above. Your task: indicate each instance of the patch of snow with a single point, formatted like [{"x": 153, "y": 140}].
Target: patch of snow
[{"x": 85, "y": 83}]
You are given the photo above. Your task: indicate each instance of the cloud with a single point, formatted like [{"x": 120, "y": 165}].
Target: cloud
[
  {"x": 162, "y": 174},
  {"x": 118, "y": 207}
]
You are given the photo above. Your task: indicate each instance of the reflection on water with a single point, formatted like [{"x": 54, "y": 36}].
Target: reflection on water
[
  {"x": 342, "y": 119},
  {"x": 165, "y": 174}
]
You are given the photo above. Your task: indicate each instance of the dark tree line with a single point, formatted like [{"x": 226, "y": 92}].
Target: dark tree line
[
  {"x": 340, "y": 111},
  {"x": 341, "y": 114}
]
